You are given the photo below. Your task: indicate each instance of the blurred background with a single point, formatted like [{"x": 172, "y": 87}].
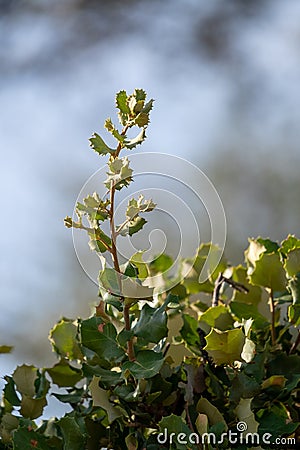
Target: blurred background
[{"x": 225, "y": 76}]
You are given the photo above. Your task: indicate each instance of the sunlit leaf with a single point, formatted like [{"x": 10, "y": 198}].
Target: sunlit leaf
[
  {"x": 63, "y": 337},
  {"x": 225, "y": 347},
  {"x": 97, "y": 144}
]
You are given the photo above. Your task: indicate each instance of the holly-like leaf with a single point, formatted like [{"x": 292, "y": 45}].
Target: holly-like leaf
[
  {"x": 102, "y": 340},
  {"x": 110, "y": 281},
  {"x": 245, "y": 414},
  {"x": 190, "y": 334},
  {"x": 275, "y": 419},
  {"x": 269, "y": 272},
  {"x": 94, "y": 208},
  {"x": 64, "y": 375},
  {"x": 147, "y": 364},
  {"x": 98, "y": 144},
  {"x": 292, "y": 262},
  {"x": 214, "y": 416},
  {"x": 139, "y": 139},
  {"x": 152, "y": 324},
  {"x": 225, "y": 347},
  {"x": 290, "y": 243},
  {"x": 101, "y": 398},
  {"x": 217, "y": 317},
  {"x": 112, "y": 129},
  {"x": 10, "y": 394},
  {"x": 175, "y": 426},
  {"x": 26, "y": 439},
  {"x": 25, "y": 376},
  {"x": 32, "y": 408},
  {"x": 120, "y": 174},
  {"x": 99, "y": 241},
  {"x": 122, "y": 105},
  {"x": 63, "y": 337},
  {"x": 74, "y": 439}
]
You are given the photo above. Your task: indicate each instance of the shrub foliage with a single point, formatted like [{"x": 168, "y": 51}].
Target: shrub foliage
[{"x": 189, "y": 357}]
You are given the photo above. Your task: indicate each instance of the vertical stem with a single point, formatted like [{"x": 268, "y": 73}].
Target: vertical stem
[
  {"x": 130, "y": 349},
  {"x": 272, "y": 309}
]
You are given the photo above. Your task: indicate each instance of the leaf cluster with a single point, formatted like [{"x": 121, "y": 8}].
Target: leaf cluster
[{"x": 187, "y": 357}]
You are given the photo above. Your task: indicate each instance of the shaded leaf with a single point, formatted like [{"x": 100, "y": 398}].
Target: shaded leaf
[
  {"x": 101, "y": 398},
  {"x": 25, "y": 376},
  {"x": 152, "y": 324},
  {"x": 24, "y": 439},
  {"x": 214, "y": 416},
  {"x": 176, "y": 425},
  {"x": 74, "y": 439},
  {"x": 64, "y": 375},
  {"x": 147, "y": 364},
  {"x": 104, "y": 342},
  {"x": 32, "y": 408}
]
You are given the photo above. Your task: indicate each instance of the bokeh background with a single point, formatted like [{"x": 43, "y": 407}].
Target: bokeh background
[{"x": 225, "y": 76}]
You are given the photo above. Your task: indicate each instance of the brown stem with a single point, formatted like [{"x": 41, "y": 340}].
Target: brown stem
[
  {"x": 114, "y": 252},
  {"x": 272, "y": 309}
]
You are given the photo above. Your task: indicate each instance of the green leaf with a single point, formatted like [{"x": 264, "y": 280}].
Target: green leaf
[
  {"x": 120, "y": 174},
  {"x": 74, "y": 396},
  {"x": 292, "y": 262},
  {"x": 10, "y": 392},
  {"x": 25, "y": 376},
  {"x": 147, "y": 364},
  {"x": 245, "y": 414},
  {"x": 290, "y": 243},
  {"x": 294, "y": 309},
  {"x": 269, "y": 272},
  {"x": 24, "y": 439},
  {"x": 32, "y": 408},
  {"x": 175, "y": 425},
  {"x": 245, "y": 311},
  {"x": 94, "y": 208},
  {"x": 139, "y": 139},
  {"x": 152, "y": 324},
  {"x": 101, "y": 398},
  {"x": 162, "y": 263},
  {"x": 99, "y": 241},
  {"x": 102, "y": 341},
  {"x": 124, "y": 111},
  {"x": 137, "y": 260},
  {"x": 64, "y": 375},
  {"x": 217, "y": 317},
  {"x": 112, "y": 129},
  {"x": 131, "y": 442},
  {"x": 107, "y": 377},
  {"x": 136, "y": 225},
  {"x": 5, "y": 348},
  {"x": 213, "y": 414},
  {"x": 97, "y": 144},
  {"x": 8, "y": 424},
  {"x": 275, "y": 421},
  {"x": 254, "y": 294},
  {"x": 63, "y": 337},
  {"x": 110, "y": 281},
  {"x": 243, "y": 386},
  {"x": 189, "y": 332},
  {"x": 225, "y": 347},
  {"x": 74, "y": 439}
]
